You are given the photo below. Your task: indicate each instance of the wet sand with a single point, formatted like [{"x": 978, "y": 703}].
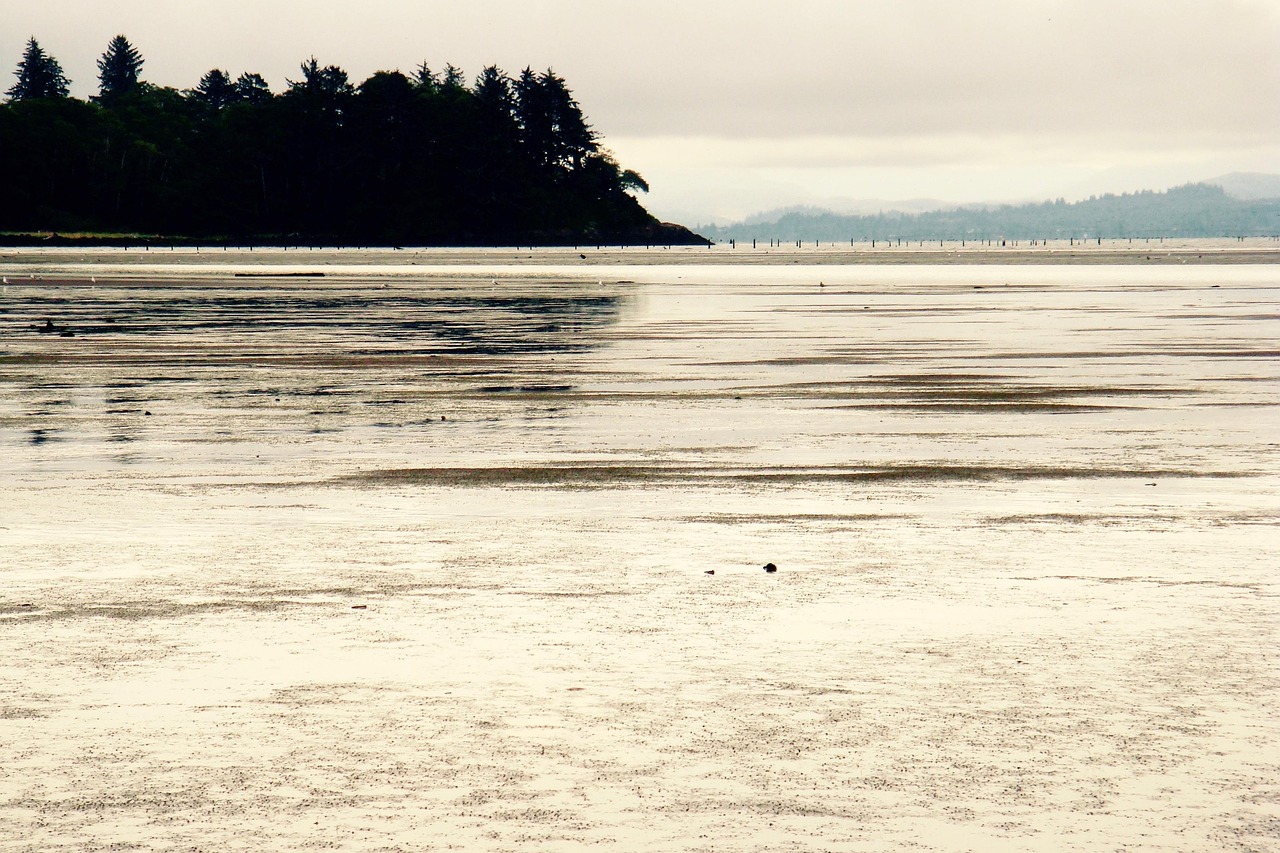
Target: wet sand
[
  {"x": 1109, "y": 252},
  {"x": 407, "y": 559}
]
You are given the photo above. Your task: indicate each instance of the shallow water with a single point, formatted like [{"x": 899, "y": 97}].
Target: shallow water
[{"x": 1025, "y": 519}]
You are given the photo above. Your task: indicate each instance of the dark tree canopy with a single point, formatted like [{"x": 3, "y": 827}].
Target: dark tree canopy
[
  {"x": 39, "y": 75},
  {"x": 453, "y": 78},
  {"x": 533, "y": 113},
  {"x": 573, "y": 139},
  {"x": 118, "y": 70},
  {"x": 631, "y": 180},
  {"x": 215, "y": 90},
  {"x": 422, "y": 158},
  {"x": 493, "y": 91},
  {"x": 321, "y": 83},
  {"x": 426, "y": 79},
  {"x": 252, "y": 89}
]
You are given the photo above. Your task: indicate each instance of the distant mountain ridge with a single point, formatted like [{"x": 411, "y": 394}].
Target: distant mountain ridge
[
  {"x": 1193, "y": 210},
  {"x": 857, "y": 207},
  {"x": 1249, "y": 186}
]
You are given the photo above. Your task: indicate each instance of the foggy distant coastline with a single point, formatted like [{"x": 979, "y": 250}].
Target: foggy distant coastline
[{"x": 1192, "y": 211}]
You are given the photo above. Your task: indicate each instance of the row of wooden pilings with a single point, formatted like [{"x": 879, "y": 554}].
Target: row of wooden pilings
[{"x": 895, "y": 242}]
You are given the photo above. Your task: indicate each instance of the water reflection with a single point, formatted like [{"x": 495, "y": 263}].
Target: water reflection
[
  {"x": 427, "y": 320},
  {"x": 222, "y": 362},
  {"x": 41, "y": 436}
]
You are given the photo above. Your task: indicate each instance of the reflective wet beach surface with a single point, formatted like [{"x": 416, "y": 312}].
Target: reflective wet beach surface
[{"x": 394, "y": 559}]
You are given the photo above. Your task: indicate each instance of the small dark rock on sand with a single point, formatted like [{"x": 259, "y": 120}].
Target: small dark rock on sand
[
  {"x": 770, "y": 568},
  {"x": 709, "y": 572}
]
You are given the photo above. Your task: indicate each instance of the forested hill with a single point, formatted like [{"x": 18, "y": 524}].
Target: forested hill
[
  {"x": 422, "y": 159},
  {"x": 1194, "y": 210}
]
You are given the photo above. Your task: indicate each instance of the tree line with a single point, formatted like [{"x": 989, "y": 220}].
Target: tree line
[{"x": 426, "y": 158}]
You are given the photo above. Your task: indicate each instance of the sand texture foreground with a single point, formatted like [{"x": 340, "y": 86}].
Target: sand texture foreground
[{"x": 404, "y": 559}]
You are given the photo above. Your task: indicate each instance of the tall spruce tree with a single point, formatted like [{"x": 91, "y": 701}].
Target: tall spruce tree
[
  {"x": 553, "y": 132},
  {"x": 215, "y": 90},
  {"x": 493, "y": 92},
  {"x": 39, "y": 75},
  {"x": 453, "y": 77},
  {"x": 574, "y": 140},
  {"x": 118, "y": 70},
  {"x": 425, "y": 79},
  {"x": 537, "y": 129},
  {"x": 495, "y": 104}
]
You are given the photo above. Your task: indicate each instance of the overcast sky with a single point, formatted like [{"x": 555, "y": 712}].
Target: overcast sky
[{"x": 729, "y": 107}]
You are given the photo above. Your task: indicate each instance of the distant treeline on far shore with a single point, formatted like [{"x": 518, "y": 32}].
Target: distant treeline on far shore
[
  {"x": 1194, "y": 210},
  {"x": 423, "y": 159}
]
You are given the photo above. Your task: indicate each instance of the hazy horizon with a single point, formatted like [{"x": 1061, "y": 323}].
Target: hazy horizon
[
  {"x": 862, "y": 207},
  {"x": 729, "y": 109}
]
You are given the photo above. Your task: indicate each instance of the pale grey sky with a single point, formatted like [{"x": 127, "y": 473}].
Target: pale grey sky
[{"x": 732, "y": 107}]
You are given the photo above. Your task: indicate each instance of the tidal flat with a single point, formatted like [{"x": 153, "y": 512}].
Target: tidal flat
[{"x": 463, "y": 551}]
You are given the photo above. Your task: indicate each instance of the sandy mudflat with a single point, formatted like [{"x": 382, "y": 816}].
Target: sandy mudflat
[
  {"x": 1181, "y": 251},
  {"x": 413, "y": 555}
]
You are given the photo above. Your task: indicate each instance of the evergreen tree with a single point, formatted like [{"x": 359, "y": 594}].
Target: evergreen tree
[
  {"x": 537, "y": 131},
  {"x": 252, "y": 89},
  {"x": 215, "y": 90},
  {"x": 630, "y": 179},
  {"x": 386, "y": 101},
  {"x": 497, "y": 169},
  {"x": 425, "y": 79},
  {"x": 329, "y": 81},
  {"x": 317, "y": 121},
  {"x": 384, "y": 145},
  {"x": 493, "y": 92},
  {"x": 573, "y": 139},
  {"x": 554, "y": 134},
  {"x": 325, "y": 90},
  {"x": 495, "y": 113},
  {"x": 118, "y": 70},
  {"x": 39, "y": 75},
  {"x": 453, "y": 77}
]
